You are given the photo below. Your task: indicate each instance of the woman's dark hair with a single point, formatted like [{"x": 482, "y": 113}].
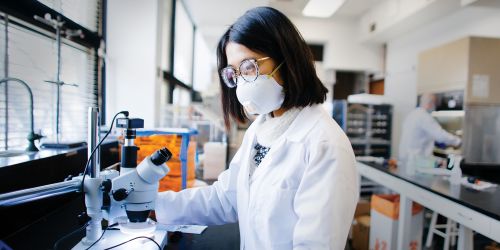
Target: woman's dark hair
[{"x": 266, "y": 30}]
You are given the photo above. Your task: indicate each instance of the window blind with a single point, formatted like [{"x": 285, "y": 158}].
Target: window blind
[
  {"x": 85, "y": 12},
  {"x": 30, "y": 54}
]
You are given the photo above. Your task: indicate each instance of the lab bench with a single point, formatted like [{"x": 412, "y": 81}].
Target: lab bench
[
  {"x": 39, "y": 224},
  {"x": 45, "y": 231},
  {"x": 222, "y": 237},
  {"x": 41, "y": 168},
  {"x": 474, "y": 210}
]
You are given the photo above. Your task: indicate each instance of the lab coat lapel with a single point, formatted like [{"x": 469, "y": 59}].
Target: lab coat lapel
[
  {"x": 267, "y": 162},
  {"x": 302, "y": 124},
  {"x": 243, "y": 183},
  {"x": 305, "y": 121},
  {"x": 248, "y": 149}
]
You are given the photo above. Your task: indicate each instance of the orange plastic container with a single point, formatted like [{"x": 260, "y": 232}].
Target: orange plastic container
[
  {"x": 173, "y": 183},
  {"x": 173, "y": 180}
]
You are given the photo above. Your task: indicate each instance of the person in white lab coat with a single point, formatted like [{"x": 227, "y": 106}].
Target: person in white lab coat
[
  {"x": 421, "y": 131},
  {"x": 293, "y": 183}
]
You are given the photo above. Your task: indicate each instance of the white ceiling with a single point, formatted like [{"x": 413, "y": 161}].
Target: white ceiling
[
  {"x": 350, "y": 9},
  {"x": 213, "y": 17}
]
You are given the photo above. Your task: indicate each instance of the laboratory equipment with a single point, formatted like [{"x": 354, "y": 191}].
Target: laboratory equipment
[
  {"x": 32, "y": 136},
  {"x": 481, "y": 144},
  {"x": 124, "y": 198},
  {"x": 367, "y": 121},
  {"x": 57, "y": 25},
  {"x": 368, "y": 124}
]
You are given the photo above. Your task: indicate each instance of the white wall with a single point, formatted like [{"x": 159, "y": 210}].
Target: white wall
[
  {"x": 132, "y": 59},
  {"x": 402, "y": 54},
  {"x": 343, "y": 49}
]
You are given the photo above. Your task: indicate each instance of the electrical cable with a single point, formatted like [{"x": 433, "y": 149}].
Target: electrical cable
[
  {"x": 103, "y": 231},
  {"x": 99, "y": 144},
  {"x": 83, "y": 180},
  {"x": 139, "y": 237},
  {"x": 56, "y": 245}
]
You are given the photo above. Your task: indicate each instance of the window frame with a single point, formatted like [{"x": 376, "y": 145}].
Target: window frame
[{"x": 24, "y": 11}]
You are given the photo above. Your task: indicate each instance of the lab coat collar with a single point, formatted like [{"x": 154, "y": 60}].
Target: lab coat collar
[
  {"x": 300, "y": 127},
  {"x": 303, "y": 123}
]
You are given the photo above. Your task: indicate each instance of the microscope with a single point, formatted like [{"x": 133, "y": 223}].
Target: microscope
[
  {"x": 136, "y": 187},
  {"x": 127, "y": 197},
  {"x": 123, "y": 198}
]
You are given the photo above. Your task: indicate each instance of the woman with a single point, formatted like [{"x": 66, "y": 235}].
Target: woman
[{"x": 293, "y": 182}]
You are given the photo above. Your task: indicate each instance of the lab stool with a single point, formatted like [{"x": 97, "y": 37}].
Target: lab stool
[{"x": 450, "y": 232}]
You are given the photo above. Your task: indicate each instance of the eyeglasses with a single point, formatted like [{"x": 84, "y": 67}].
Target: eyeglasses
[{"x": 248, "y": 70}]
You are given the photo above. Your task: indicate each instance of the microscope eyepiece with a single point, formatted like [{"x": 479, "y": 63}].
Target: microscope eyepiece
[{"x": 161, "y": 156}]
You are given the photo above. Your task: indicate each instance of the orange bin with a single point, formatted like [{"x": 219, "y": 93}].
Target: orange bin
[{"x": 173, "y": 180}]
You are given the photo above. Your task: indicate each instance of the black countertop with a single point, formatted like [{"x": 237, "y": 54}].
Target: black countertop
[
  {"x": 486, "y": 201},
  {"x": 45, "y": 231},
  {"x": 223, "y": 237},
  {"x": 21, "y": 157},
  {"x": 42, "y": 168}
]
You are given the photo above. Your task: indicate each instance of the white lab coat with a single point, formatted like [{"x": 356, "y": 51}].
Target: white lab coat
[
  {"x": 303, "y": 194},
  {"x": 420, "y": 131}
]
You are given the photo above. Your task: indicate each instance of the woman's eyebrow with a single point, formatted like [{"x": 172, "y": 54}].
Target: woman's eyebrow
[
  {"x": 254, "y": 57},
  {"x": 238, "y": 64},
  {"x": 249, "y": 58},
  {"x": 234, "y": 65}
]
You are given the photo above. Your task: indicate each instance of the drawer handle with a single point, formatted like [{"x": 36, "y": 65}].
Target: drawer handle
[{"x": 464, "y": 216}]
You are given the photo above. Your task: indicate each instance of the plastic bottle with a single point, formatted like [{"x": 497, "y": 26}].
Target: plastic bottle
[{"x": 456, "y": 171}]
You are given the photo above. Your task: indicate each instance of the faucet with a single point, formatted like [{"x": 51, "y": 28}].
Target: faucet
[{"x": 32, "y": 137}]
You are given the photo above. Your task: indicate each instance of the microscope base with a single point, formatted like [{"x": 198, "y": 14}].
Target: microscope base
[
  {"x": 138, "y": 228},
  {"x": 114, "y": 237}
]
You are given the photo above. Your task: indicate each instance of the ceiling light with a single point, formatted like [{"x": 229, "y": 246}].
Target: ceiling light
[{"x": 322, "y": 8}]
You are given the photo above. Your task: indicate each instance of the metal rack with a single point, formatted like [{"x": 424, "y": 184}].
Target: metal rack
[{"x": 368, "y": 126}]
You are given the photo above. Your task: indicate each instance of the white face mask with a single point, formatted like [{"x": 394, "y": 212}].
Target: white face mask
[{"x": 261, "y": 96}]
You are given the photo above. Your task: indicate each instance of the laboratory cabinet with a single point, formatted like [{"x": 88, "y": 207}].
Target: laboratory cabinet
[
  {"x": 367, "y": 125},
  {"x": 469, "y": 66}
]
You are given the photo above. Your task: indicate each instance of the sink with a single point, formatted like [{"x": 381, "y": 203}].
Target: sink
[{"x": 12, "y": 153}]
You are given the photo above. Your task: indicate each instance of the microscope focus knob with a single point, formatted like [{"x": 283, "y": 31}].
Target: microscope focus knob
[{"x": 120, "y": 194}]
